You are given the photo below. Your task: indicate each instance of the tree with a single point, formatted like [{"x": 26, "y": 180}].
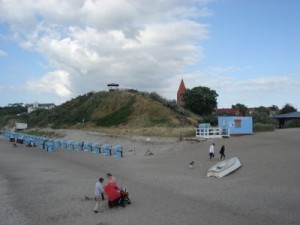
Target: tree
[
  {"x": 261, "y": 115},
  {"x": 288, "y": 108},
  {"x": 201, "y": 100},
  {"x": 243, "y": 109},
  {"x": 274, "y": 108},
  {"x": 262, "y": 109}
]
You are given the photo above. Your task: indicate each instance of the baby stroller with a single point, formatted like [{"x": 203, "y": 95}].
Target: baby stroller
[{"x": 124, "y": 196}]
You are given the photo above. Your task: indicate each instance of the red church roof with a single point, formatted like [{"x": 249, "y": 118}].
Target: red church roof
[
  {"x": 231, "y": 112},
  {"x": 181, "y": 91}
]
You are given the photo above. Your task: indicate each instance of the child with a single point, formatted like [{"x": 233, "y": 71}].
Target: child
[{"x": 99, "y": 191}]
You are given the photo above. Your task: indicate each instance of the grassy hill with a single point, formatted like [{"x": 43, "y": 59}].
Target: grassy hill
[{"x": 120, "y": 112}]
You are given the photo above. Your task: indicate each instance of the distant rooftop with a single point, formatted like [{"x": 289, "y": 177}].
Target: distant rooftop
[{"x": 292, "y": 115}]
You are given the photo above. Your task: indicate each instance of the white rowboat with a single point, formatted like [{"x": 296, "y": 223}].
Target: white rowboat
[{"x": 223, "y": 168}]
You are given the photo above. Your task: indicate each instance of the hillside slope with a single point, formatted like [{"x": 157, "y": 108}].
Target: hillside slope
[{"x": 117, "y": 109}]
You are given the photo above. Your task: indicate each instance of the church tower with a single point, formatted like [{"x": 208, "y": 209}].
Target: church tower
[{"x": 181, "y": 91}]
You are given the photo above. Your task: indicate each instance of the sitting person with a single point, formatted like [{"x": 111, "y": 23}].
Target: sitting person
[{"x": 113, "y": 193}]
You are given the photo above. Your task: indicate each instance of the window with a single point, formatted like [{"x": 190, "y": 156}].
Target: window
[{"x": 237, "y": 123}]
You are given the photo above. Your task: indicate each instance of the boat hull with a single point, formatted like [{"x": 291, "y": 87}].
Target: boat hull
[{"x": 225, "y": 167}]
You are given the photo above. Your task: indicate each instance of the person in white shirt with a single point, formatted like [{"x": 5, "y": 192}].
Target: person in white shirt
[
  {"x": 212, "y": 151},
  {"x": 98, "y": 195}
]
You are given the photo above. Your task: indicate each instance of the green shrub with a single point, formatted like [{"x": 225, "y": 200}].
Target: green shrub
[
  {"x": 258, "y": 127},
  {"x": 212, "y": 119},
  {"x": 292, "y": 123}
]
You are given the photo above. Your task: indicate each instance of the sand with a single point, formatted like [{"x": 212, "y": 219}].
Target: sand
[{"x": 37, "y": 187}]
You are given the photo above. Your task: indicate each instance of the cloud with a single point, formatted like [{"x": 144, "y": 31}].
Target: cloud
[
  {"x": 263, "y": 84},
  {"x": 2, "y": 53},
  {"x": 279, "y": 84},
  {"x": 54, "y": 82},
  {"x": 219, "y": 71},
  {"x": 230, "y": 79},
  {"x": 91, "y": 43},
  {"x": 258, "y": 91}
]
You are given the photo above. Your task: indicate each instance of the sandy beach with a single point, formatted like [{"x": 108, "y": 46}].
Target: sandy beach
[{"x": 37, "y": 187}]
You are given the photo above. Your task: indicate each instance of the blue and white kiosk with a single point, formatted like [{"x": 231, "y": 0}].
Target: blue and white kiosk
[
  {"x": 236, "y": 125},
  {"x": 227, "y": 125}
]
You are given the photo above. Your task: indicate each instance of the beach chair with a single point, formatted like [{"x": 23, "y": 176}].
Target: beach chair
[
  {"x": 42, "y": 143},
  {"x": 70, "y": 145},
  {"x": 50, "y": 146},
  {"x": 12, "y": 138},
  {"x": 20, "y": 139},
  {"x": 79, "y": 145},
  {"x": 117, "y": 151},
  {"x": 63, "y": 143},
  {"x": 30, "y": 142},
  {"x": 88, "y": 146},
  {"x": 57, "y": 143},
  {"x": 96, "y": 148},
  {"x": 106, "y": 149}
]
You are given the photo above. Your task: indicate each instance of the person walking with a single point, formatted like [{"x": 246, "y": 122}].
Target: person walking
[
  {"x": 99, "y": 193},
  {"x": 212, "y": 151},
  {"x": 222, "y": 152}
]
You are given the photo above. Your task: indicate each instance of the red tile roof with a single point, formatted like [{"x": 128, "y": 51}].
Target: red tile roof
[{"x": 232, "y": 112}]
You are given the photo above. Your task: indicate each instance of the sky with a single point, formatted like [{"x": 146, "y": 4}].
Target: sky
[{"x": 247, "y": 51}]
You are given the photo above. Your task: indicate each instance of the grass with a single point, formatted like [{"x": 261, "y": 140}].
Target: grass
[
  {"x": 118, "y": 117},
  {"x": 146, "y": 131},
  {"x": 119, "y": 112},
  {"x": 42, "y": 132}
]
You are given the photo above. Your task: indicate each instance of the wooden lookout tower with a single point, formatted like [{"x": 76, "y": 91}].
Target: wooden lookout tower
[{"x": 113, "y": 87}]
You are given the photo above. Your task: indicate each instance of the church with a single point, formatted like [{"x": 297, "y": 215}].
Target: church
[{"x": 180, "y": 94}]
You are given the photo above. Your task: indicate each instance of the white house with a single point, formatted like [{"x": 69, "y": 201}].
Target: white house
[{"x": 35, "y": 106}]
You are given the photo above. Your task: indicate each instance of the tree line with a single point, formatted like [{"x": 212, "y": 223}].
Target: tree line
[{"x": 203, "y": 101}]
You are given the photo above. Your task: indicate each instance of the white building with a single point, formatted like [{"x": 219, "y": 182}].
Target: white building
[{"x": 35, "y": 106}]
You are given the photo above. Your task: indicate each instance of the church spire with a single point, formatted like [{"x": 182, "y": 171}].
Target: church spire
[{"x": 180, "y": 93}]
